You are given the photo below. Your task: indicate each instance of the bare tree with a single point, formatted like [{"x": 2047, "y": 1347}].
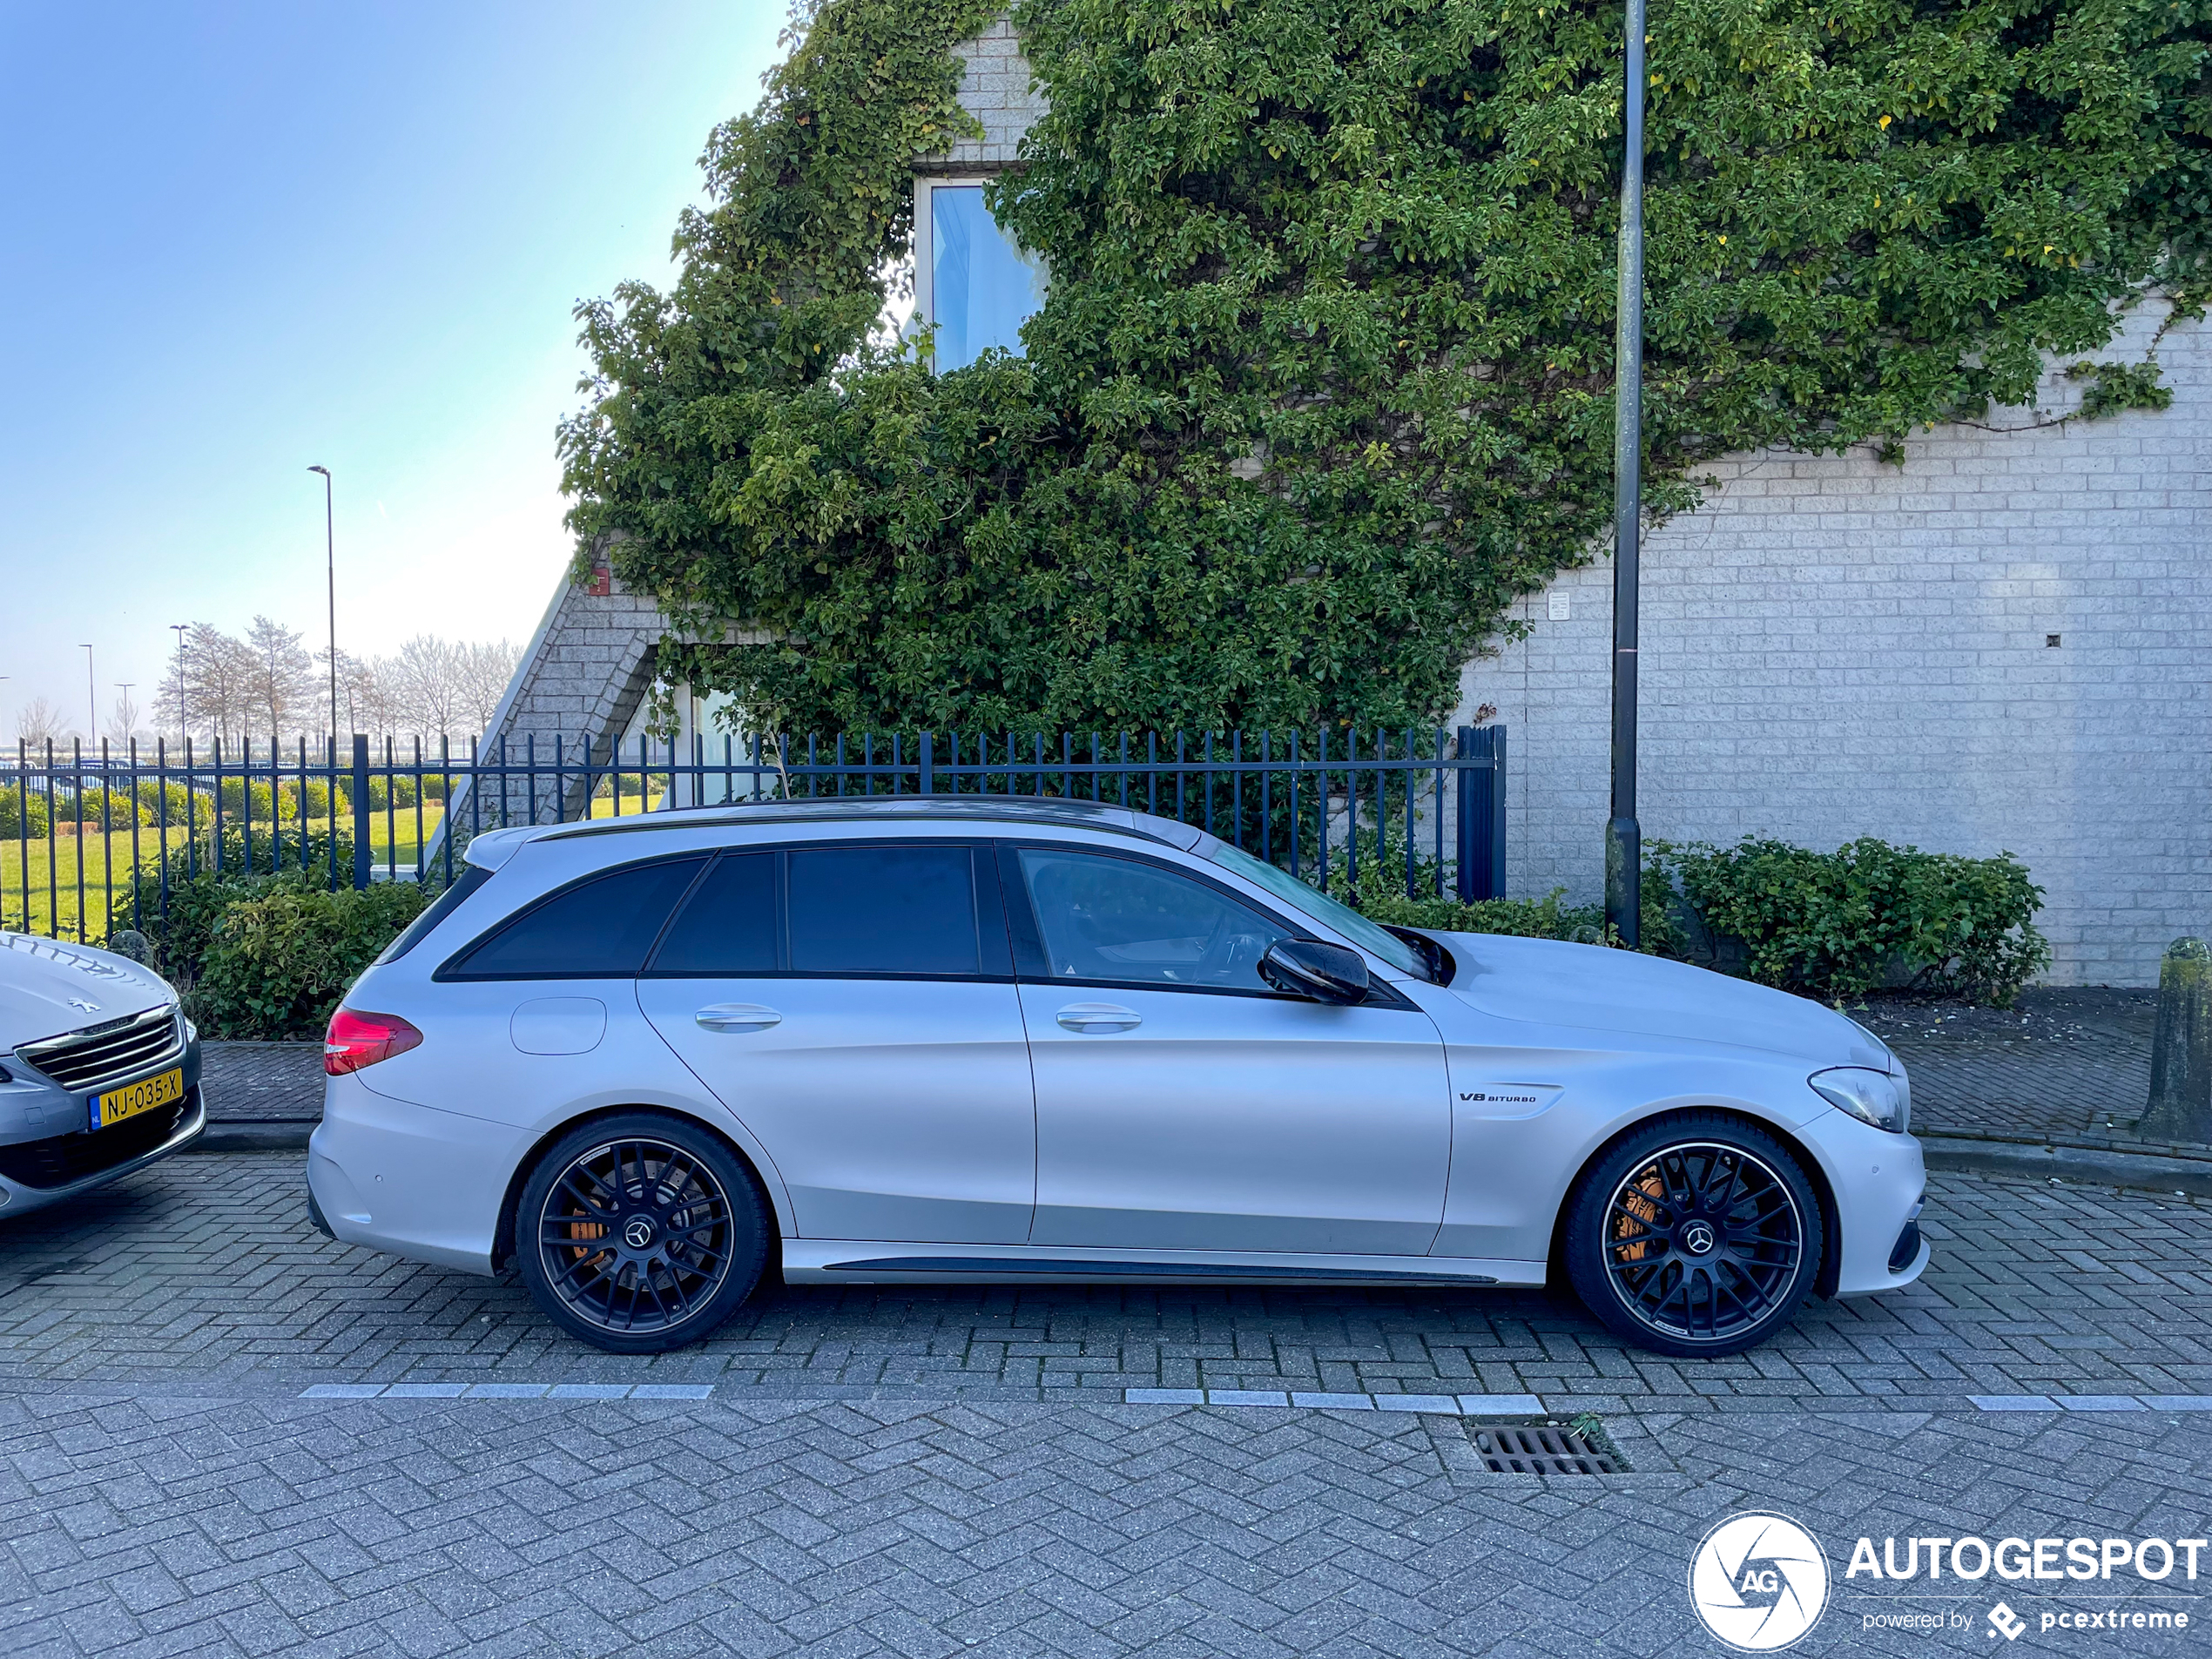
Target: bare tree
[
  {"x": 38, "y": 723},
  {"x": 123, "y": 718},
  {"x": 281, "y": 678},
  {"x": 485, "y": 670},
  {"x": 212, "y": 697}
]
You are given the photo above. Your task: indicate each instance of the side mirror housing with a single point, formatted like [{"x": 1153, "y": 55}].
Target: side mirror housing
[{"x": 1322, "y": 973}]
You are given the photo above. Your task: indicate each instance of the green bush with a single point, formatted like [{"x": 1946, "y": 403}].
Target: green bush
[
  {"x": 94, "y": 807},
  {"x": 151, "y": 794},
  {"x": 276, "y": 964},
  {"x": 22, "y": 813},
  {"x": 1839, "y": 924}
]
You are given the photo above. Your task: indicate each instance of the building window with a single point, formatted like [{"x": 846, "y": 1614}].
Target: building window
[{"x": 970, "y": 278}]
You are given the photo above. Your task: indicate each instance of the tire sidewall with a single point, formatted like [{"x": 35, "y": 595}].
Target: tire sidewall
[
  {"x": 749, "y": 1227},
  {"x": 1593, "y": 1193}
]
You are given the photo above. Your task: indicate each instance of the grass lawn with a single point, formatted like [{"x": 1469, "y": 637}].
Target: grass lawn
[{"x": 26, "y": 868}]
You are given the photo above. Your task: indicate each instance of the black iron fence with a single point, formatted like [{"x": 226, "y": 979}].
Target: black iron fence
[{"x": 90, "y": 840}]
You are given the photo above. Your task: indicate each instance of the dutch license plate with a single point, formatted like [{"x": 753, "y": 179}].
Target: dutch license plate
[{"x": 141, "y": 1097}]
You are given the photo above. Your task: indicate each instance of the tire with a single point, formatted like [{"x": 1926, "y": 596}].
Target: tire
[
  {"x": 1696, "y": 1235},
  {"x": 641, "y": 1232}
]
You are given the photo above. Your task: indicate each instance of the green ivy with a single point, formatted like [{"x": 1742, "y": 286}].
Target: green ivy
[{"x": 1324, "y": 379}]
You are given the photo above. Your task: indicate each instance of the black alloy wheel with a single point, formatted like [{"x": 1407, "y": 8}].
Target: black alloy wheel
[
  {"x": 640, "y": 1233},
  {"x": 1697, "y": 1236}
]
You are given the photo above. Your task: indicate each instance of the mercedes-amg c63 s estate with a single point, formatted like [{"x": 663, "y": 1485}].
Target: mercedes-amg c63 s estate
[{"x": 935, "y": 1040}]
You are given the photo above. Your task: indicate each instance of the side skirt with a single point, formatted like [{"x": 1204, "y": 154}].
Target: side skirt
[{"x": 820, "y": 1261}]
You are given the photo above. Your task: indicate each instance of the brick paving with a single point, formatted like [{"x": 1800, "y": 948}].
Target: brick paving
[
  {"x": 936, "y": 1472},
  {"x": 262, "y": 1081}
]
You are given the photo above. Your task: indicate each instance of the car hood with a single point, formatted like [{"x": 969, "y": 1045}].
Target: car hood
[
  {"x": 1591, "y": 988},
  {"x": 47, "y": 988}
]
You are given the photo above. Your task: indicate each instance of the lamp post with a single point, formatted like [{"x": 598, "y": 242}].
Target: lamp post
[
  {"x": 184, "y": 718},
  {"x": 330, "y": 552},
  {"x": 126, "y": 709},
  {"x": 1623, "y": 835},
  {"x": 91, "y": 697}
]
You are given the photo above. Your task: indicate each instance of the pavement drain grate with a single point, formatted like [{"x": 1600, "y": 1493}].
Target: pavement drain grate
[{"x": 1579, "y": 1447}]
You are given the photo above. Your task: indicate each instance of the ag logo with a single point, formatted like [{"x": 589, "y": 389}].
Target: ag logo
[{"x": 1759, "y": 1581}]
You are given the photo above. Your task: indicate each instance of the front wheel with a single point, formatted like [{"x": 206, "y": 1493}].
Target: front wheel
[
  {"x": 1696, "y": 1236},
  {"x": 640, "y": 1233}
]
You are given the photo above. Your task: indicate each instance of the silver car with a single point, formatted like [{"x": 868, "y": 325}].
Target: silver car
[
  {"x": 100, "y": 1071},
  {"x": 938, "y": 1041}
]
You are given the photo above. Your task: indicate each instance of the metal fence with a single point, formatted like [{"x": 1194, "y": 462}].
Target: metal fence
[{"x": 90, "y": 841}]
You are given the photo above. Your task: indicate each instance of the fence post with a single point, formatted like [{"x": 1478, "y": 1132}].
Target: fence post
[
  {"x": 361, "y": 811},
  {"x": 1482, "y": 814},
  {"x": 928, "y": 763},
  {"x": 1464, "y": 789},
  {"x": 1497, "y": 813}
]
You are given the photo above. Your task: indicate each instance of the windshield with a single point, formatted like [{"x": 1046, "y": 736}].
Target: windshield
[{"x": 1369, "y": 936}]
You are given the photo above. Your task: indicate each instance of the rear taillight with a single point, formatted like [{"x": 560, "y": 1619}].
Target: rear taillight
[{"x": 355, "y": 1040}]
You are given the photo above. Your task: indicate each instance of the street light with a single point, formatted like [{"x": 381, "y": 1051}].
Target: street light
[
  {"x": 183, "y": 719},
  {"x": 126, "y": 709},
  {"x": 1623, "y": 835},
  {"x": 91, "y": 697},
  {"x": 330, "y": 551}
]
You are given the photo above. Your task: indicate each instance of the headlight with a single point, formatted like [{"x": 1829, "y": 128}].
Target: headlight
[{"x": 1876, "y": 1097}]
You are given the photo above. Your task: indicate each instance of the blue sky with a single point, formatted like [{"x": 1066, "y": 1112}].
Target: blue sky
[{"x": 239, "y": 238}]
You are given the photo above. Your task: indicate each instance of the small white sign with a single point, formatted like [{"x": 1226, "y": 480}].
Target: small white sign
[{"x": 1559, "y": 604}]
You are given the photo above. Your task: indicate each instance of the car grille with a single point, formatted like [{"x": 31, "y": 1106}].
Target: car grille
[
  {"x": 114, "y": 1052},
  {"x": 61, "y": 1159}
]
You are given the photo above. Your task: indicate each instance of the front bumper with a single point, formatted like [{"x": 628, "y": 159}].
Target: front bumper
[
  {"x": 1878, "y": 1181},
  {"x": 49, "y": 1154}
]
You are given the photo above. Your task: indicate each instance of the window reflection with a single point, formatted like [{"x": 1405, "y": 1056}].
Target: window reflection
[{"x": 981, "y": 287}]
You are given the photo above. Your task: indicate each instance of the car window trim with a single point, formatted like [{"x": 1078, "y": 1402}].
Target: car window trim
[
  {"x": 996, "y": 966},
  {"x": 447, "y": 973},
  {"x": 1030, "y": 968}
]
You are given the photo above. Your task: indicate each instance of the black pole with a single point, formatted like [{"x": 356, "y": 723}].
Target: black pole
[{"x": 1624, "y": 836}]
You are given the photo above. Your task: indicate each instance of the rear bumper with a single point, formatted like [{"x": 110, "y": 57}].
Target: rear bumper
[{"x": 419, "y": 1183}]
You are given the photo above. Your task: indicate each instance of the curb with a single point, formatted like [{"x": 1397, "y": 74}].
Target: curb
[
  {"x": 2147, "y": 1172},
  {"x": 280, "y": 1135}
]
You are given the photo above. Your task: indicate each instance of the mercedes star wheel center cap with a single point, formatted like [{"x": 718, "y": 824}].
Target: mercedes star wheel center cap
[
  {"x": 638, "y": 1234},
  {"x": 1696, "y": 1239}
]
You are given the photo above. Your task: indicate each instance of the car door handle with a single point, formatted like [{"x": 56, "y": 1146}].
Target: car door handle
[
  {"x": 1090, "y": 1019},
  {"x": 738, "y": 1016}
]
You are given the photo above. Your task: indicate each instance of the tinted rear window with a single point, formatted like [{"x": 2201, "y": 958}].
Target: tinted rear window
[
  {"x": 730, "y": 925},
  {"x": 598, "y": 929},
  {"x": 883, "y": 910},
  {"x": 444, "y": 905}
]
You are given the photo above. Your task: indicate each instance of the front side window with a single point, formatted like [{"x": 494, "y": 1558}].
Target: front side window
[
  {"x": 1303, "y": 895},
  {"x": 1103, "y": 918},
  {"x": 982, "y": 287},
  {"x": 598, "y": 929}
]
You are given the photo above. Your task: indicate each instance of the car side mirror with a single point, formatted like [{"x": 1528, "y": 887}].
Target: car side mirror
[{"x": 1310, "y": 968}]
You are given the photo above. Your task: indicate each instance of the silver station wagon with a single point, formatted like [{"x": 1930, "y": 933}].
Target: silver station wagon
[{"x": 935, "y": 1041}]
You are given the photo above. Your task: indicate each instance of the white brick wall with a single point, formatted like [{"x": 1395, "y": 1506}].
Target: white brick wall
[
  {"x": 1833, "y": 648},
  {"x": 993, "y": 88}
]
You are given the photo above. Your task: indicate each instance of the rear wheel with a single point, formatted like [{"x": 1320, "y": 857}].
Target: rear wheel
[
  {"x": 640, "y": 1233},
  {"x": 1697, "y": 1236}
]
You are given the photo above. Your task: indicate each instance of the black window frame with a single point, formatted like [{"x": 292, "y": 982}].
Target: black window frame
[
  {"x": 994, "y": 946},
  {"x": 448, "y": 972},
  {"x": 1031, "y": 968}
]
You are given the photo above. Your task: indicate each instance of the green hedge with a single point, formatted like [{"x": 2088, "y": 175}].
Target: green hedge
[
  {"x": 1867, "y": 915},
  {"x": 267, "y": 956},
  {"x": 278, "y": 964},
  {"x": 1831, "y": 925},
  {"x": 17, "y": 804}
]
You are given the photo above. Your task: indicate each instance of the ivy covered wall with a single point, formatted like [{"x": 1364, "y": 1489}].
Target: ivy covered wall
[{"x": 1324, "y": 379}]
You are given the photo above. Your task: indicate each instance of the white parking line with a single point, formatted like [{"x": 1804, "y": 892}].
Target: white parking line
[
  {"x": 1444, "y": 1405},
  {"x": 507, "y": 1391},
  {"x": 2091, "y": 1402}
]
